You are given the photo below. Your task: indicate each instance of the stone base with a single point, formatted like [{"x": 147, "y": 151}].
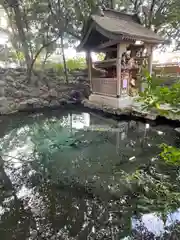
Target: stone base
[
  {"x": 113, "y": 102},
  {"x": 127, "y": 106}
]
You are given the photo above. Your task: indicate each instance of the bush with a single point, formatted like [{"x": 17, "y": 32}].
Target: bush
[
  {"x": 72, "y": 64},
  {"x": 76, "y": 63}
]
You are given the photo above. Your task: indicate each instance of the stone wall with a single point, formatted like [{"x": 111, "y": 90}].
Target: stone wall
[{"x": 46, "y": 89}]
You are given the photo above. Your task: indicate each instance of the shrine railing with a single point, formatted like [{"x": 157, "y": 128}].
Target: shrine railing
[{"x": 105, "y": 86}]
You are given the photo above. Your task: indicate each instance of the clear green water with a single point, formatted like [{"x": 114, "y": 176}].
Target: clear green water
[{"x": 77, "y": 175}]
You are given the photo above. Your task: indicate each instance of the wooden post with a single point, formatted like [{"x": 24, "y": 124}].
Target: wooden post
[
  {"x": 120, "y": 49},
  {"x": 150, "y": 59},
  {"x": 89, "y": 63}
]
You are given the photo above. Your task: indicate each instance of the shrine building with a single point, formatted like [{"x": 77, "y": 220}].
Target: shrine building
[{"x": 127, "y": 46}]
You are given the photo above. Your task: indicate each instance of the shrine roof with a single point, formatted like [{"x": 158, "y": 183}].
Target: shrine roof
[{"x": 114, "y": 25}]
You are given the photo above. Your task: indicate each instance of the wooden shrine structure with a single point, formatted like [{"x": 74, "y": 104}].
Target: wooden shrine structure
[{"x": 127, "y": 46}]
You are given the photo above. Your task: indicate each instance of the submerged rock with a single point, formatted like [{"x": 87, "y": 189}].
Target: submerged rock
[{"x": 177, "y": 130}]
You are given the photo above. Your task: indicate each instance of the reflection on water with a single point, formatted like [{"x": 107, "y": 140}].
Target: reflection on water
[
  {"x": 155, "y": 224},
  {"x": 67, "y": 177}
]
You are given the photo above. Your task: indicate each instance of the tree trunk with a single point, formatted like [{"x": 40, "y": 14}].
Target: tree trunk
[
  {"x": 45, "y": 59},
  {"x": 29, "y": 70},
  {"x": 22, "y": 35},
  {"x": 110, "y": 4},
  {"x": 113, "y": 4},
  {"x": 151, "y": 13},
  {"x": 64, "y": 59},
  {"x": 87, "y": 60}
]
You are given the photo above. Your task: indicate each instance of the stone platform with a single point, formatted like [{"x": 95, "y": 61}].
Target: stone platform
[
  {"x": 113, "y": 102},
  {"x": 129, "y": 107}
]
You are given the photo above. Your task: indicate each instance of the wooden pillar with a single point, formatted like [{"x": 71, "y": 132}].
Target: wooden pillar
[
  {"x": 120, "y": 49},
  {"x": 150, "y": 58},
  {"x": 89, "y": 66},
  {"x": 149, "y": 67},
  {"x": 150, "y": 61}
]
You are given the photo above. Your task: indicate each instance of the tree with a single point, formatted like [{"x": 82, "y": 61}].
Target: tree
[
  {"x": 161, "y": 16},
  {"x": 35, "y": 26},
  {"x": 47, "y": 52},
  {"x": 31, "y": 28}
]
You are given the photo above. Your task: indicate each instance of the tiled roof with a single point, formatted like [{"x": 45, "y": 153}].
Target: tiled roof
[
  {"x": 125, "y": 24},
  {"x": 116, "y": 25}
]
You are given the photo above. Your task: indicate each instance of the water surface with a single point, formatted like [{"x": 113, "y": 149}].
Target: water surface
[{"x": 78, "y": 175}]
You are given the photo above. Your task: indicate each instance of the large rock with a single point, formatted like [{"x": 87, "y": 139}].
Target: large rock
[
  {"x": 45, "y": 96},
  {"x": 22, "y": 105},
  {"x": 54, "y": 103},
  {"x": 10, "y": 91},
  {"x": 177, "y": 130},
  {"x": 44, "y": 103},
  {"x": 20, "y": 94},
  {"x": 44, "y": 88},
  {"x": 33, "y": 103},
  {"x": 9, "y": 78},
  {"x": 53, "y": 93},
  {"x": 76, "y": 95}
]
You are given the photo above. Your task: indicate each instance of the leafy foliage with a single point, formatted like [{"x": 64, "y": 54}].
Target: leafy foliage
[
  {"x": 76, "y": 63},
  {"x": 72, "y": 64},
  {"x": 170, "y": 155},
  {"x": 35, "y": 26},
  {"x": 153, "y": 97},
  {"x": 153, "y": 188},
  {"x": 156, "y": 93}
]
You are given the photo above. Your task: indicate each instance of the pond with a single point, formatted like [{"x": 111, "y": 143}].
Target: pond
[{"x": 78, "y": 175}]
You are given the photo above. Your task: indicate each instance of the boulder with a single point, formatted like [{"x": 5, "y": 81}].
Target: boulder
[
  {"x": 33, "y": 101},
  {"x": 44, "y": 103},
  {"x": 53, "y": 93},
  {"x": 44, "y": 88},
  {"x": 177, "y": 130},
  {"x": 19, "y": 94},
  {"x": 62, "y": 101},
  {"x": 76, "y": 95},
  {"x": 9, "y": 91},
  {"x": 45, "y": 96},
  {"x": 9, "y": 78},
  {"x": 22, "y": 105},
  {"x": 54, "y": 103}
]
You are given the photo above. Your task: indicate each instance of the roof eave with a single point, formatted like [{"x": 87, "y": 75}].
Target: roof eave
[
  {"x": 116, "y": 36},
  {"x": 80, "y": 47}
]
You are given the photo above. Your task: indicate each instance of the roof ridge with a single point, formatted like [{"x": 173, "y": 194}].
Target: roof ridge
[{"x": 119, "y": 14}]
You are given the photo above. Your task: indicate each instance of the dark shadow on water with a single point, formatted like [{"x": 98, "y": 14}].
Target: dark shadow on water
[{"x": 78, "y": 175}]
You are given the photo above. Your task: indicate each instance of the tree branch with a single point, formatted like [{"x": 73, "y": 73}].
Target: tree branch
[
  {"x": 153, "y": 3},
  {"x": 37, "y": 54}
]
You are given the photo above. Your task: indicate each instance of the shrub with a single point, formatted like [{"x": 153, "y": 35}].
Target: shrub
[
  {"x": 72, "y": 64},
  {"x": 76, "y": 63}
]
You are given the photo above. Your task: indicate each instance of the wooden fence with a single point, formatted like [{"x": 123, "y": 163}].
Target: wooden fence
[{"x": 105, "y": 86}]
